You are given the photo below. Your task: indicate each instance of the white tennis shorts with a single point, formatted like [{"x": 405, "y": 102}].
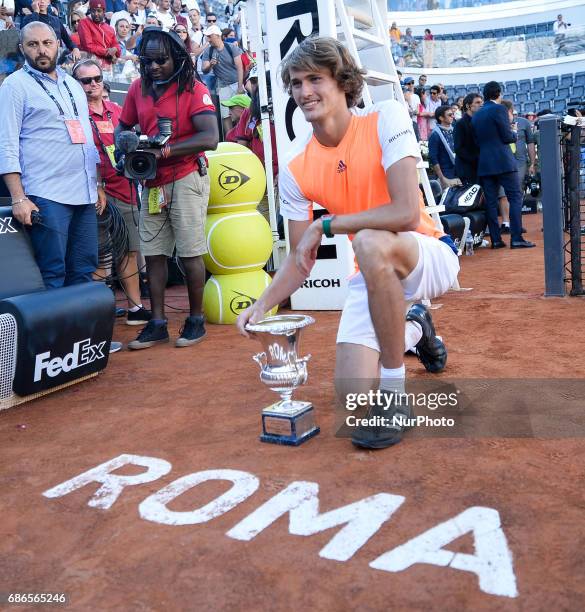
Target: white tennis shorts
[{"x": 433, "y": 275}]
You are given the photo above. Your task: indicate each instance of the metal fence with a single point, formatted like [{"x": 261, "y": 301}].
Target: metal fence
[
  {"x": 562, "y": 151},
  {"x": 573, "y": 156}
]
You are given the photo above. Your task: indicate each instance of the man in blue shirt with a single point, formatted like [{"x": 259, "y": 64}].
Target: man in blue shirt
[{"x": 49, "y": 161}]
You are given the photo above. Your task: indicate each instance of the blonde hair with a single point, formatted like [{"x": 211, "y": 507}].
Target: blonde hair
[{"x": 317, "y": 53}]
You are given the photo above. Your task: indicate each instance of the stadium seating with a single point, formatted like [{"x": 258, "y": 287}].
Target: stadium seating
[
  {"x": 553, "y": 93},
  {"x": 533, "y": 30},
  {"x": 524, "y": 85}
]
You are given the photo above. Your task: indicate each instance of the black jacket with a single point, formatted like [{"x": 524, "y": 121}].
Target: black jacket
[{"x": 466, "y": 151}]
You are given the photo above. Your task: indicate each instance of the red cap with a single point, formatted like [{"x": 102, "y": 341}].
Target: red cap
[{"x": 93, "y": 4}]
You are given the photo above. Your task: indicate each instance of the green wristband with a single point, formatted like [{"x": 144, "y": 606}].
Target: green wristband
[{"x": 326, "y": 224}]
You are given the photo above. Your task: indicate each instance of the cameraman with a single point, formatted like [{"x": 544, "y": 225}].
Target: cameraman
[{"x": 175, "y": 201}]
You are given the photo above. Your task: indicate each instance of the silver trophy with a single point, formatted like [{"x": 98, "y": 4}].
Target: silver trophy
[{"x": 289, "y": 421}]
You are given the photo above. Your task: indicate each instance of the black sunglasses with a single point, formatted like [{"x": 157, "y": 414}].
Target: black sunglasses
[
  {"x": 88, "y": 80},
  {"x": 212, "y": 21},
  {"x": 154, "y": 60}
]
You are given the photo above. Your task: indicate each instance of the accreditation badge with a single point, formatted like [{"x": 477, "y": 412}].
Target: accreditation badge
[
  {"x": 156, "y": 200},
  {"x": 110, "y": 151},
  {"x": 75, "y": 129},
  {"x": 105, "y": 127}
]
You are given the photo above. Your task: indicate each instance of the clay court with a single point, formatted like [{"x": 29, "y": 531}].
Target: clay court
[{"x": 199, "y": 409}]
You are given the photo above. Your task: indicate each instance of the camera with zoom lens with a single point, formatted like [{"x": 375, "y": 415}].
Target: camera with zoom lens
[{"x": 135, "y": 155}]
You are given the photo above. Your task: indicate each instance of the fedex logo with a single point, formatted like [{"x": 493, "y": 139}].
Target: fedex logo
[{"x": 84, "y": 352}]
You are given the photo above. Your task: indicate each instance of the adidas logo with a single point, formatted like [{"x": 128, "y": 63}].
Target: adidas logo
[{"x": 341, "y": 167}]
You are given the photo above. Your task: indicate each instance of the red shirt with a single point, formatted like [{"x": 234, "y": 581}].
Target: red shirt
[
  {"x": 247, "y": 130},
  {"x": 97, "y": 38},
  {"x": 143, "y": 110},
  {"x": 116, "y": 185}
]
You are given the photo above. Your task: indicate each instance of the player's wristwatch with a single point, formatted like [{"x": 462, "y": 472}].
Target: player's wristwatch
[{"x": 326, "y": 225}]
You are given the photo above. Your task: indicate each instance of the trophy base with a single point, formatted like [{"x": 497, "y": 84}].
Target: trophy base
[{"x": 291, "y": 425}]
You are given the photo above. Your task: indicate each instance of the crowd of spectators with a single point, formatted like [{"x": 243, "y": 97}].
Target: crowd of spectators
[
  {"x": 90, "y": 43},
  {"x": 110, "y": 31},
  {"x": 454, "y": 147}
]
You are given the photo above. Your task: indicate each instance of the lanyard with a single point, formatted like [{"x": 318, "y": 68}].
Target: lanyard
[
  {"x": 97, "y": 132},
  {"x": 36, "y": 78}
]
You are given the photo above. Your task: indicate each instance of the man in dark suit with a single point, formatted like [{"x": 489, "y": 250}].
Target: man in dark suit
[
  {"x": 466, "y": 149},
  {"x": 497, "y": 166}
]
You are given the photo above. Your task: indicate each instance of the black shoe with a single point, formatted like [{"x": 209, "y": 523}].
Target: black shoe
[
  {"x": 498, "y": 245},
  {"x": 152, "y": 334},
  {"x": 430, "y": 350},
  {"x": 386, "y": 426},
  {"x": 504, "y": 229},
  {"x": 138, "y": 317},
  {"x": 193, "y": 331},
  {"x": 522, "y": 244}
]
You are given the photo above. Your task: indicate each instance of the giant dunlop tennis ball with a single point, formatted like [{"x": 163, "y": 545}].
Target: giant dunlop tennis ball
[
  {"x": 237, "y": 242},
  {"x": 237, "y": 178},
  {"x": 226, "y": 296}
]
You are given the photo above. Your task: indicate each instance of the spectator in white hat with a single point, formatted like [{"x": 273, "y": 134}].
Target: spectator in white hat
[{"x": 223, "y": 59}]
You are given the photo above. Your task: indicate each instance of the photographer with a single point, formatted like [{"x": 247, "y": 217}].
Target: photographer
[{"x": 175, "y": 201}]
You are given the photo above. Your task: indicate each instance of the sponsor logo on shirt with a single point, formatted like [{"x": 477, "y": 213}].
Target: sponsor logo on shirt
[
  {"x": 396, "y": 136},
  {"x": 207, "y": 99},
  {"x": 341, "y": 167}
]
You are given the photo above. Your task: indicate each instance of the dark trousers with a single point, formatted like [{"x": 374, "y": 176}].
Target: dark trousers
[
  {"x": 66, "y": 243},
  {"x": 509, "y": 181}
]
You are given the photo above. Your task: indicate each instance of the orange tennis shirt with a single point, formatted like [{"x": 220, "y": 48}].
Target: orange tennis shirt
[{"x": 351, "y": 177}]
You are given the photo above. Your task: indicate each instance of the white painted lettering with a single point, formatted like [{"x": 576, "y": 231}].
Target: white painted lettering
[
  {"x": 154, "y": 508},
  {"x": 492, "y": 561},
  {"x": 362, "y": 519},
  {"x": 112, "y": 484}
]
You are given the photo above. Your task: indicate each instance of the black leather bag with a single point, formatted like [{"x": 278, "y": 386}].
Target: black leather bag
[{"x": 464, "y": 199}]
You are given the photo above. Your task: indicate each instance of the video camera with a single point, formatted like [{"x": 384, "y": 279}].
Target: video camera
[{"x": 134, "y": 155}]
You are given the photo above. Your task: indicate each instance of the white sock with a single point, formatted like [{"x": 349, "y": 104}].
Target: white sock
[
  {"x": 135, "y": 308},
  {"x": 392, "y": 379},
  {"x": 412, "y": 334}
]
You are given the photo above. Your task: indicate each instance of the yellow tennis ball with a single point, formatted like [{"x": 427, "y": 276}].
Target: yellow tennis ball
[
  {"x": 226, "y": 296},
  {"x": 237, "y": 242},
  {"x": 237, "y": 178}
]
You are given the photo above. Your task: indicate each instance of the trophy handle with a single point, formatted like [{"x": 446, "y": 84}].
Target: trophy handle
[
  {"x": 260, "y": 359},
  {"x": 303, "y": 360}
]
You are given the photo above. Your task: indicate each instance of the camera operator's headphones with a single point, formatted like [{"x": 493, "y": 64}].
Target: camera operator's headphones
[{"x": 177, "y": 42}]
